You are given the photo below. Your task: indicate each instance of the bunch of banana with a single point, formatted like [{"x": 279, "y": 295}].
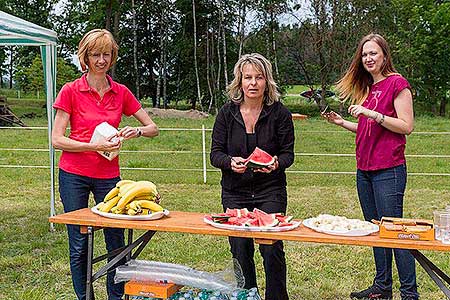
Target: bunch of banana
[{"x": 132, "y": 198}]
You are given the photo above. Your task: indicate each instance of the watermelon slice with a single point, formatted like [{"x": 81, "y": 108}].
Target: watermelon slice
[
  {"x": 259, "y": 159},
  {"x": 236, "y": 212}
]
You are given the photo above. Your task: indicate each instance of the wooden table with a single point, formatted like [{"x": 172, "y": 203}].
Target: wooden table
[{"x": 191, "y": 222}]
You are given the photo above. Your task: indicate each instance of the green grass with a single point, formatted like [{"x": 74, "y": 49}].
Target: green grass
[{"x": 34, "y": 262}]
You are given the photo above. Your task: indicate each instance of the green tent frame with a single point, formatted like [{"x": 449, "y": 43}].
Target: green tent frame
[{"x": 16, "y": 31}]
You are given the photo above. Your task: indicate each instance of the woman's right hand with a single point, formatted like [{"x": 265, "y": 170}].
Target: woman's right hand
[
  {"x": 238, "y": 164},
  {"x": 333, "y": 117},
  {"x": 110, "y": 144}
]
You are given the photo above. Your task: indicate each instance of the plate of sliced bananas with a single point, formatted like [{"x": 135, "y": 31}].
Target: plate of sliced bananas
[{"x": 132, "y": 200}]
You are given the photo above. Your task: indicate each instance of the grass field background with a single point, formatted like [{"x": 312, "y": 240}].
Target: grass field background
[{"x": 34, "y": 261}]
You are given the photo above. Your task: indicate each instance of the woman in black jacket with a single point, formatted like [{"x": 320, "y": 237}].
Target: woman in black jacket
[{"x": 255, "y": 118}]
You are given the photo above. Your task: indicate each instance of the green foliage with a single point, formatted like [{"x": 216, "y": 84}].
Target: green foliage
[
  {"x": 32, "y": 78},
  {"x": 421, "y": 45}
]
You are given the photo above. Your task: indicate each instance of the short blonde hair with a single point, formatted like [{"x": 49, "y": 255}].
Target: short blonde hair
[
  {"x": 96, "y": 40},
  {"x": 264, "y": 66}
]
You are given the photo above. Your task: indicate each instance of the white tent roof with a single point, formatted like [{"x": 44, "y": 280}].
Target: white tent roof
[{"x": 15, "y": 31}]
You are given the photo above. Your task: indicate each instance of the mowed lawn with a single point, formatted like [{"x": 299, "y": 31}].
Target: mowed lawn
[{"x": 34, "y": 261}]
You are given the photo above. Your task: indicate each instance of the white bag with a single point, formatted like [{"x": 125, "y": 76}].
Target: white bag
[{"x": 104, "y": 131}]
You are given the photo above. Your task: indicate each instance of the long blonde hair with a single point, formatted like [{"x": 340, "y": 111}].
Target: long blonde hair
[
  {"x": 99, "y": 40},
  {"x": 355, "y": 83},
  {"x": 264, "y": 66}
]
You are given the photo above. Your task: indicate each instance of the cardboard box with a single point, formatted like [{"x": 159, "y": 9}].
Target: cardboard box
[
  {"x": 150, "y": 289},
  {"x": 406, "y": 229},
  {"x": 105, "y": 131}
]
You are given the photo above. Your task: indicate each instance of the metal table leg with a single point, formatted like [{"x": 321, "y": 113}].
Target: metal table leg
[
  {"x": 90, "y": 255},
  {"x": 118, "y": 254},
  {"x": 433, "y": 271}
]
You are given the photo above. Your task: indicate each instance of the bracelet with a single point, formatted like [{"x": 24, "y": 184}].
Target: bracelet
[
  {"x": 381, "y": 120},
  {"x": 139, "y": 132}
]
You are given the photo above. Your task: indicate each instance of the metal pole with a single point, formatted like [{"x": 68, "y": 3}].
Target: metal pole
[{"x": 204, "y": 152}]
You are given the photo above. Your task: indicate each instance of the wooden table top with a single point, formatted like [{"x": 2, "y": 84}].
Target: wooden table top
[{"x": 192, "y": 222}]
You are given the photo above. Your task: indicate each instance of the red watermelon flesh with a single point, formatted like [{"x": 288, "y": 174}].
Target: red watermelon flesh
[
  {"x": 283, "y": 219},
  {"x": 236, "y": 212},
  {"x": 259, "y": 159}
]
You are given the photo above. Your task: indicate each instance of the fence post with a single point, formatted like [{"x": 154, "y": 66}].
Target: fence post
[
  {"x": 18, "y": 94},
  {"x": 204, "y": 152}
]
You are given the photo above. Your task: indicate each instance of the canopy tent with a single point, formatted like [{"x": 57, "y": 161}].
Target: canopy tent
[{"x": 15, "y": 31}]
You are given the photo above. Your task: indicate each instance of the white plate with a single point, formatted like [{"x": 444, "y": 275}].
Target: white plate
[
  {"x": 294, "y": 225},
  {"x": 309, "y": 223},
  {"x": 153, "y": 216}
]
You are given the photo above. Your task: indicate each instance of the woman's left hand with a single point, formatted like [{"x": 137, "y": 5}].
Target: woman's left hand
[
  {"x": 357, "y": 110},
  {"x": 270, "y": 168},
  {"x": 129, "y": 132}
]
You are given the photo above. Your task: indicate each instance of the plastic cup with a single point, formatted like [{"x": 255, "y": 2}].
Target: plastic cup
[
  {"x": 445, "y": 228},
  {"x": 440, "y": 222}
]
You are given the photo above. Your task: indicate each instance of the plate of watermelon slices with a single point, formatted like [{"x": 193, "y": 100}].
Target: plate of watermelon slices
[{"x": 256, "y": 220}]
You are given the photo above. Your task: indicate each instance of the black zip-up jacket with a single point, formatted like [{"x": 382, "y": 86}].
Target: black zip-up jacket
[{"x": 274, "y": 132}]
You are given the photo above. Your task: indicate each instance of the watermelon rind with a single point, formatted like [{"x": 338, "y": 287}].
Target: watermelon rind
[
  {"x": 255, "y": 161},
  {"x": 258, "y": 165}
]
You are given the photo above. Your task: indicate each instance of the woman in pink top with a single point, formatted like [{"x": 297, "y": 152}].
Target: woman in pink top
[
  {"x": 382, "y": 102},
  {"x": 85, "y": 103}
]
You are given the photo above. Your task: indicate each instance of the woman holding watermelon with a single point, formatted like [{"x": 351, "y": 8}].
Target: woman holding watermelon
[
  {"x": 255, "y": 118},
  {"x": 382, "y": 103}
]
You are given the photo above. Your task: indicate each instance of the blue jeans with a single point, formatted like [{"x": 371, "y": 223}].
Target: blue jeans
[
  {"x": 381, "y": 194},
  {"x": 74, "y": 191}
]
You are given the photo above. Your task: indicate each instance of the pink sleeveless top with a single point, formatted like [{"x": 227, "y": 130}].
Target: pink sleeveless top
[{"x": 377, "y": 147}]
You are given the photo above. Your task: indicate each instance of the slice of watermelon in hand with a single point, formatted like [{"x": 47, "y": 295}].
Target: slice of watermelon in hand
[{"x": 259, "y": 159}]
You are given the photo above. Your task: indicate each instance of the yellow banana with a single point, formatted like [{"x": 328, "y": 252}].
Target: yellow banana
[
  {"x": 149, "y": 197},
  {"x": 107, "y": 206},
  {"x": 145, "y": 211},
  {"x": 149, "y": 205},
  {"x": 116, "y": 210},
  {"x": 140, "y": 188},
  {"x": 100, "y": 205},
  {"x": 111, "y": 194},
  {"x": 131, "y": 212},
  {"x": 124, "y": 182},
  {"x": 126, "y": 187}
]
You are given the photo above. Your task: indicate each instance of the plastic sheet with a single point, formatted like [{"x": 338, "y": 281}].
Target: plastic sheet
[{"x": 225, "y": 281}]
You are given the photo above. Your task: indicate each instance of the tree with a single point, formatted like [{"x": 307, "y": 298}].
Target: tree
[
  {"x": 32, "y": 78},
  {"x": 422, "y": 44}
]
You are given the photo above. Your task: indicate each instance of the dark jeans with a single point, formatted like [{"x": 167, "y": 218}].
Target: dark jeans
[
  {"x": 74, "y": 191},
  {"x": 381, "y": 194},
  {"x": 273, "y": 255}
]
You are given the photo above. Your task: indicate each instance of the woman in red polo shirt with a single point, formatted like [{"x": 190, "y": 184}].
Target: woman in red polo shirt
[
  {"x": 382, "y": 103},
  {"x": 85, "y": 103}
]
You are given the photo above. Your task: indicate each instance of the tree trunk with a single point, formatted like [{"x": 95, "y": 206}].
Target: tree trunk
[
  {"x": 116, "y": 34},
  {"x": 11, "y": 64},
  {"x": 199, "y": 98},
  {"x": 443, "y": 106},
  {"x": 164, "y": 62},
  {"x": 224, "y": 41},
  {"x": 108, "y": 15},
  {"x": 242, "y": 26},
  {"x": 208, "y": 73},
  {"x": 135, "y": 52},
  {"x": 274, "y": 45}
]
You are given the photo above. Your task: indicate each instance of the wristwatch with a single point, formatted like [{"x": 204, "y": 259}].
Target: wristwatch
[{"x": 139, "y": 131}]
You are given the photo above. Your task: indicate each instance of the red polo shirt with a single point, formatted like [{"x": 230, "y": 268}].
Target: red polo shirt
[{"x": 87, "y": 110}]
